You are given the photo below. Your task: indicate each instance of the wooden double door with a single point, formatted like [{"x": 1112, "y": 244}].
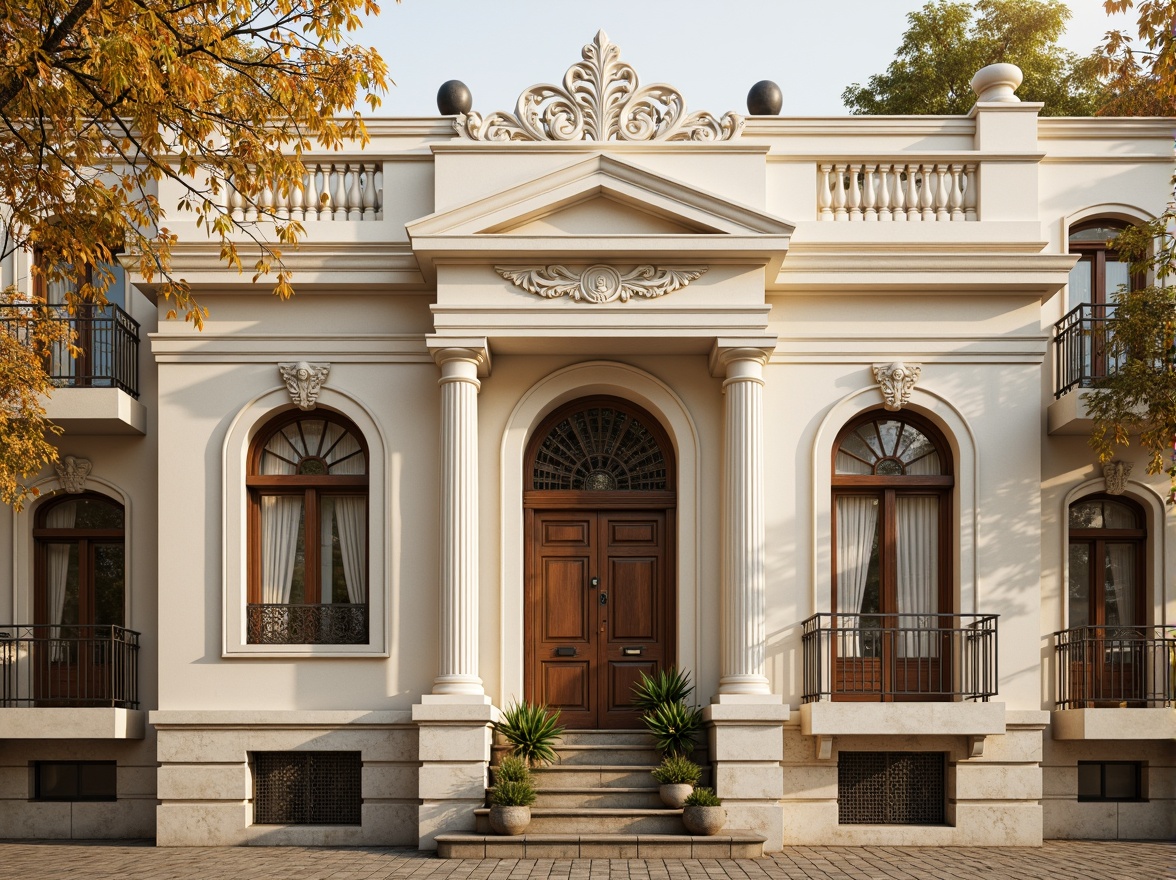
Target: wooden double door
[{"x": 598, "y": 610}]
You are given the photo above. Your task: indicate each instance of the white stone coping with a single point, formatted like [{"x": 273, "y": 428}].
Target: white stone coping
[
  {"x": 1136, "y": 723},
  {"x": 72, "y": 723},
  {"x": 168, "y": 718},
  {"x": 902, "y": 719}
]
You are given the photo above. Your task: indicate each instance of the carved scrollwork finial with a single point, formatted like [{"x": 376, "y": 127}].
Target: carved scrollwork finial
[
  {"x": 304, "y": 381},
  {"x": 1115, "y": 474},
  {"x": 896, "y": 381},
  {"x": 72, "y": 473},
  {"x": 600, "y": 284},
  {"x": 601, "y": 100}
]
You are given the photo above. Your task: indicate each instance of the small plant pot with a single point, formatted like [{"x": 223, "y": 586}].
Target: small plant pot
[
  {"x": 674, "y": 794},
  {"x": 509, "y": 820},
  {"x": 704, "y": 820}
]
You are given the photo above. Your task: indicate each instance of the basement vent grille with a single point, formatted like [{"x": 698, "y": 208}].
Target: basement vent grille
[
  {"x": 307, "y": 788},
  {"x": 890, "y": 788}
]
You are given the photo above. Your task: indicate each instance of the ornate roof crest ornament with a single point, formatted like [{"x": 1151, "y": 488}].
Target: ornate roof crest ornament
[
  {"x": 1115, "y": 473},
  {"x": 599, "y": 283},
  {"x": 601, "y": 100},
  {"x": 304, "y": 382},
  {"x": 72, "y": 473},
  {"x": 896, "y": 381}
]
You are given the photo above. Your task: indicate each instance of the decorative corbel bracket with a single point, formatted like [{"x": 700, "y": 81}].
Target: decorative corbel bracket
[
  {"x": 304, "y": 381},
  {"x": 896, "y": 381},
  {"x": 976, "y": 746},
  {"x": 1115, "y": 474},
  {"x": 824, "y": 748},
  {"x": 72, "y": 472}
]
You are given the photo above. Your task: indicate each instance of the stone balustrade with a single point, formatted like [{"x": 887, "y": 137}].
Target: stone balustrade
[
  {"x": 910, "y": 192},
  {"x": 330, "y": 191}
]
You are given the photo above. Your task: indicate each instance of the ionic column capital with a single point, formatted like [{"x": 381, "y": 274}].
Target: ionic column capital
[
  {"x": 741, "y": 358},
  {"x": 461, "y": 359}
]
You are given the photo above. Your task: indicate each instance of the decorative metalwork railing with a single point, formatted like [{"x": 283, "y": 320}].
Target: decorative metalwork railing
[
  {"x": 1113, "y": 666},
  {"x": 899, "y": 656},
  {"x": 107, "y": 339},
  {"x": 899, "y": 191},
  {"x": 337, "y": 624},
  {"x": 1081, "y": 345},
  {"x": 70, "y": 666}
]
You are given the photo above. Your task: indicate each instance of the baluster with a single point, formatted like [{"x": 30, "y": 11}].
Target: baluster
[
  {"x": 869, "y": 193},
  {"x": 957, "y": 194},
  {"x": 824, "y": 196},
  {"x": 885, "y": 203},
  {"x": 312, "y": 193},
  {"x": 369, "y": 191},
  {"x": 354, "y": 199},
  {"x": 912, "y": 194},
  {"x": 265, "y": 209},
  {"x": 927, "y": 192},
  {"x": 839, "y": 193},
  {"x": 281, "y": 204},
  {"x": 236, "y": 203},
  {"x": 899, "y": 198},
  {"x": 379, "y": 185},
  {"x": 251, "y": 206},
  {"x": 855, "y": 193},
  {"x": 339, "y": 191},
  {"x": 969, "y": 192},
  {"x": 297, "y": 211},
  {"x": 941, "y": 193}
]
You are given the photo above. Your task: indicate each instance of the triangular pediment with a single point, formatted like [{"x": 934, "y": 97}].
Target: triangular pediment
[{"x": 599, "y": 214}]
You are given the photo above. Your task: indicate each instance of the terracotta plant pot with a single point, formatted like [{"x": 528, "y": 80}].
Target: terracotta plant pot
[
  {"x": 509, "y": 820},
  {"x": 704, "y": 820},
  {"x": 674, "y": 794}
]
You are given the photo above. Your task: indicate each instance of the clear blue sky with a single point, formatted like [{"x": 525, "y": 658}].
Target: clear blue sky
[{"x": 712, "y": 51}]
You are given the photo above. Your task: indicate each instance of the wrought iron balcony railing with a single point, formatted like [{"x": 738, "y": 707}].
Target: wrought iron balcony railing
[
  {"x": 1081, "y": 347},
  {"x": 337, "y": 624},
  {"x": 107, "y": 339},
  {"x": 896, "y": 657},
  {"x": 1115, "y": 666},
  {"x": 68, "y": 666}
]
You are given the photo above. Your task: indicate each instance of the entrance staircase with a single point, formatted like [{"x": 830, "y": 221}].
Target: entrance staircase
[{"x": 600, "y": 801}]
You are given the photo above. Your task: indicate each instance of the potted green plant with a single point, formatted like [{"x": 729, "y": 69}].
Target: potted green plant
[
  {"x": 676, "y": 776},
  {"x": 511, "y": 797},
  {"x": 662, "y": 700},
  {"x": 532, "y": 732},
  {"x": 704, "y": 813}
]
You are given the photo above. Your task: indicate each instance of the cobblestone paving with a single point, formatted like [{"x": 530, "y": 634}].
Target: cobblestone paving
[{"x": 1102, "y": 860}]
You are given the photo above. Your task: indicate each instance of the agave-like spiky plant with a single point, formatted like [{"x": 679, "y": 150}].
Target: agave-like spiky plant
[
  {"x": 666, "y": 686},
  {"x": 675, "y": 726},
  {"x": 532, "y": 731}
]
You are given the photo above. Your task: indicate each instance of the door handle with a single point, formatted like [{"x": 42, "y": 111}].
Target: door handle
[
  {"x": 594, "y": 582},
  {"x": 604, "y": 598}
]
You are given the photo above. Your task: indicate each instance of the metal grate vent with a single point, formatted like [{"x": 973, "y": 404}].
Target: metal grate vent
[
  {"x": 307, "y": 788},
  {"x": 890, "y": 788}
]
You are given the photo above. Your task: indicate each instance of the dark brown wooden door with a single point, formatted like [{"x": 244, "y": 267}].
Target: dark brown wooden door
[{"x": 596, "y": 611}]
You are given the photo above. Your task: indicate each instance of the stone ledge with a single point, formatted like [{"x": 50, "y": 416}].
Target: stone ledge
[
  {"x": 1136, "y": 723},
  {"x": 735, "y": 844},
  {"x": 228, "y": 718},
  {"x": 82, "y": 723},
  {"x": 904, "y": 719}
]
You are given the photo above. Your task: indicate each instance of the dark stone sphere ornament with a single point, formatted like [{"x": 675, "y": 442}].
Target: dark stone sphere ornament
[
  {"x": 454, "y": 98},
  {"x": 765, "y": 99}
]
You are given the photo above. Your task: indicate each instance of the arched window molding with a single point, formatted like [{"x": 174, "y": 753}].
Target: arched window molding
[{"x": 253, "y": 418}]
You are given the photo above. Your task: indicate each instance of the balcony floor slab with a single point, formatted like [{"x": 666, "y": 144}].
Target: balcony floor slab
[
  {"x": 81, "y": 723},
  {"x": 1134, "y": 723},
  {"x": 909, "y": 719},
  {"x": 96, "y": 411}
]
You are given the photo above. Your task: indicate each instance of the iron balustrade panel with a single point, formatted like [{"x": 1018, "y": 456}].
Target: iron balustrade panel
[
  {"x": 899, "y": 656},
  {"x": 61, "y": 665},
  {"x": 1082, "y": 347},
  {"x": 327, "y": 624},
  {"x": 107, "y": 339},
  {"x": 1115, "y": 666}
]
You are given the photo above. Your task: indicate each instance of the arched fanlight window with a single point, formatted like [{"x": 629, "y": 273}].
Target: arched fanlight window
[
  {"x": 888, "y": 446},
  {"x": 308, "y": 488},
  {"x": 601, "y": 445}
]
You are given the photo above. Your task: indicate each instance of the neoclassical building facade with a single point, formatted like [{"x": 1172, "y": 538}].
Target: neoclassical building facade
[{"x": 597, "y": 388}]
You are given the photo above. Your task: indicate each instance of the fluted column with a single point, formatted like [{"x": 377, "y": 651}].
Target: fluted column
[
  {"x": 458, "y": 667},
  {"x": 743, "y": 637}
]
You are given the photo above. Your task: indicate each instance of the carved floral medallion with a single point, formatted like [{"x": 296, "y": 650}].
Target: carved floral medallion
[
  {"x": 72, "y": 473},
  {"x": 601, "y": 100},
  {"x": 304, "y": 381},
  {"x": 896, "y": 382},
  {"x": 1115, "y": 474},
  {"x": 600, "y": 283}
]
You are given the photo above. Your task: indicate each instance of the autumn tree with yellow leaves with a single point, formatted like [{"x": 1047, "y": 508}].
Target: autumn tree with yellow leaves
[{"x": 100, "y": 100}]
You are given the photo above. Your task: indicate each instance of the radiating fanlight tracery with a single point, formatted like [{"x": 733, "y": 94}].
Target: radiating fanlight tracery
[{"x": 600, "y": 448}]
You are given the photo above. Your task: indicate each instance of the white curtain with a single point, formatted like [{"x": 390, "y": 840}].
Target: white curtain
[
  {"x": 351, "y": 521},
  {"x": 1120, "y": 583},
  {"x": 57, "y": 565},
  {"x": 281, "y": 517},
  {"x": 917, "y": 539},
  {"x": 857, "y": 521}
]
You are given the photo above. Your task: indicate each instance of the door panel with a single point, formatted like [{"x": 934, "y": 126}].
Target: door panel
[{"x": 597, "y": 611}]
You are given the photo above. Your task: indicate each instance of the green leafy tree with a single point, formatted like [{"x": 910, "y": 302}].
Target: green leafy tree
[
  {"x": 100, "y": 100},
  {"x": 947, "y": 42}
]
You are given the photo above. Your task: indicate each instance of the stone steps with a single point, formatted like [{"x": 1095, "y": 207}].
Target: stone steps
[
  {"x": 731, "y": 845},
  {"x": 614, "y": 797},
  {"x": 588, "y": 820}
]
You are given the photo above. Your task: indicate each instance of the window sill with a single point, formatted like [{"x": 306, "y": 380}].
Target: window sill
[{"x": 308, "y": 651}]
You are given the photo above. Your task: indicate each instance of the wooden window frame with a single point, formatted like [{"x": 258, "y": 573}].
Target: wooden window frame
[
  {"x": 1097, "y": 539},
  {"x": 43, "y": 536},
  {"x": 1097, "y": 253}
]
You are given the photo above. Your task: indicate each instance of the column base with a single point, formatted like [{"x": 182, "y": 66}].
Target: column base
[
  {"x": 458, "y": 684},
  {"x": 744, "y": 684},
  {"x": 453, "y": 744}
]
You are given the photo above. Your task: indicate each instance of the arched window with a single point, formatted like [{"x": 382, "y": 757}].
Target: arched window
[
  {"x": 1107, "y": 538},
  {"x": 892, "y": 482},
  {"x": 1098, "y": 273},
  {"x": 308, "y": 538}
]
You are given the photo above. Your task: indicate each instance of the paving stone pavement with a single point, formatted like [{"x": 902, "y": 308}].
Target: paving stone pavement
[{"x": 83, "y": 860}]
